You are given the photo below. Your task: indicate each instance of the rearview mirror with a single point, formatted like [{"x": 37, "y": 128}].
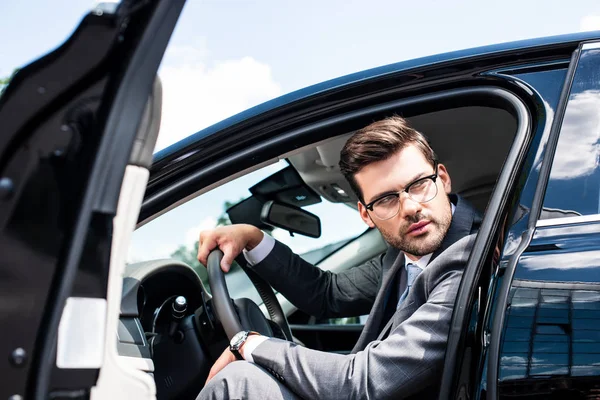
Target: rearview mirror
[{"x": 290, "y": 218}]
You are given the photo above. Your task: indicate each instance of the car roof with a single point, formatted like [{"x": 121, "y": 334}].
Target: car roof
[{"x": 347, "y": 80}]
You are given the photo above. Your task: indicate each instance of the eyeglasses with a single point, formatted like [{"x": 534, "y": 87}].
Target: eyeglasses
[{"x": 422, "y": 190}]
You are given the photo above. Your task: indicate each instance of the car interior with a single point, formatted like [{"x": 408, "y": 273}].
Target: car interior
[{"x": 183, "y": 340}]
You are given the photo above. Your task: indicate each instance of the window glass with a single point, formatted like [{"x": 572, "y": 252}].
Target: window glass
[
  {"x": 574, "y": 185},
  {"x": 175, "y": 234}
]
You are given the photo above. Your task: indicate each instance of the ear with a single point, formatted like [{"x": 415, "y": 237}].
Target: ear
[
  {"x": 364, "y": 214},
  {"x": 445, "y": 178}
]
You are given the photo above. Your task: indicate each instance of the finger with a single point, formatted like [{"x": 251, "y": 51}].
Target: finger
[
  {"x": 204, "y": 248},
  {"x": 201, "y": 240},
  {"x": 229, "y": 254}
]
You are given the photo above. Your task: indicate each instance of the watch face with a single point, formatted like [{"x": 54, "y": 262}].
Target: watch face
[{"x": 238, "y": 338}]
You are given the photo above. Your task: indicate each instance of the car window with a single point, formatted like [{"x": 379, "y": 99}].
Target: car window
[
  {"x": 175, "y": 233},
  {"x": 574, "y": 185}
]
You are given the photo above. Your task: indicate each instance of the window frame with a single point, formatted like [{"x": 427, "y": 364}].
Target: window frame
[{"x": 491, "y": 224}]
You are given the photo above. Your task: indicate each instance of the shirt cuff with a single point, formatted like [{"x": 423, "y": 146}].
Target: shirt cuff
[
  {"x": 251, "y": 345},
  {"x": 261, "y": 251}
]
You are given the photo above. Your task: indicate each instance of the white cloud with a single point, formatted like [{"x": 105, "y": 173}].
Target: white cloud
[
  {"x": 197, "y": 93},
  {"x": 579, "y": 145},
  {"x": 590, "y": 23},
  {"x": 139, "y": 252},
  {"x": 557, "y": 261},
  {"x": 516, "y": 359},
  {"x": 193, "y": 234},
  {"x": 190, "y": 54}
]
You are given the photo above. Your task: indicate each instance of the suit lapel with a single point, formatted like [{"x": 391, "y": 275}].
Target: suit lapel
[{"x": 462, "y": 225}]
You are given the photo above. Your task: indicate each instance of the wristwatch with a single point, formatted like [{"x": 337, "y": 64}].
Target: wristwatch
[{"x": 238, "y": 340}]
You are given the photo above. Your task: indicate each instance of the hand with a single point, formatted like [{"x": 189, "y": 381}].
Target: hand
[
  {"x": 224, "y": 360},
  {"x": 231, "y": 240},
  {"x": 227, "y": 357}
]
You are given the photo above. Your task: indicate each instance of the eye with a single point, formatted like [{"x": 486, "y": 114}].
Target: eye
[
  {"x": 418, "y": 185},
  {"x": 391, "y": 199}
]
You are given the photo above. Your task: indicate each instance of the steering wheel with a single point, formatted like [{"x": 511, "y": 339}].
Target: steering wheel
[{"x": 248, "y": 315}]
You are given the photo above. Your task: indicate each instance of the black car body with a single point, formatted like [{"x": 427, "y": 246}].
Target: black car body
[{"x": 526, "y": 320}]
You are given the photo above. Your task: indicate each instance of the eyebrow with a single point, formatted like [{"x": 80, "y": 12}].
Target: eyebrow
[{"x": 387, "y": 192}]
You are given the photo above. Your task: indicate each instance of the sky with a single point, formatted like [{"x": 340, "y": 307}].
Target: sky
[{"x": 226, "y": 56}]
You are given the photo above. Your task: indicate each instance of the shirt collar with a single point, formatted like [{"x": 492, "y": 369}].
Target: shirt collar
[{"x": 423, "y": 261}]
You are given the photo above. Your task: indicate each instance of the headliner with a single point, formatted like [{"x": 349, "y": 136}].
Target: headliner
[{"x": 471, "y": 141}]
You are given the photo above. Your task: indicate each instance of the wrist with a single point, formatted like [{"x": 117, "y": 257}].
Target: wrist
[
  {"x": 251, "y": 347},
  {"x": 238, "y": 341},
  {"x": 252, "y": 336},
  {"x": 255, "y": 236}
]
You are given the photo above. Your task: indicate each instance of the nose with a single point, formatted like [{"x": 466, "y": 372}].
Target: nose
[{"x": 409, "y": 207}]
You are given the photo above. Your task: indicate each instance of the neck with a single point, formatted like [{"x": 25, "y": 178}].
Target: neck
[{"x": 412, "y": 257}]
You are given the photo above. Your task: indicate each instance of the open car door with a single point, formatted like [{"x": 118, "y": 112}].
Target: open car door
[{"x": 73, "y": 122}]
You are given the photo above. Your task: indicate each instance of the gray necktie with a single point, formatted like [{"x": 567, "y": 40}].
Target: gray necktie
[{"x": 412, "y": 272}]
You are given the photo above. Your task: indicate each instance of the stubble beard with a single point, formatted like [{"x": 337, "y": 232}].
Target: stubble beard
[{"x": 423, "y": 244}]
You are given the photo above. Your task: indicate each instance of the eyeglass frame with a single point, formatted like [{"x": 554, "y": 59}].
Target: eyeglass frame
[{"x": 433, "y": 177}]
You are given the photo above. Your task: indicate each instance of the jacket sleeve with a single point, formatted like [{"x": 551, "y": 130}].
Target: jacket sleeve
[
  {"x": 407, "y": 361},
  {"x": 321, "y": 293}
]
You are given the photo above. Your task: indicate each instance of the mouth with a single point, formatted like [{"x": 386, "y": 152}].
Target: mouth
[{"x": 418, "y": 229}]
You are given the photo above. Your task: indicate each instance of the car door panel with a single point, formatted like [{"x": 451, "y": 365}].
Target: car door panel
[
  {"x": 552, "y": 329},
  {"x": 69, "y": 123}
]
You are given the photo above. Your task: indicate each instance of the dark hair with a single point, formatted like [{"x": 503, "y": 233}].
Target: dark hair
[{"x": 378, "y": 142}]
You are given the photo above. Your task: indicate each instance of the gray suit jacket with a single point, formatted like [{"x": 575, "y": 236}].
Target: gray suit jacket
[{"x": 402, "y": 363}]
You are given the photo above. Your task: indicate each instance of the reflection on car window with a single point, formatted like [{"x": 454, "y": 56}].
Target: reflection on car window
[
  {"x": 574, "y": 185},
  {"x": 551, "y": 335},
  {"x": 175, "y": 233}
]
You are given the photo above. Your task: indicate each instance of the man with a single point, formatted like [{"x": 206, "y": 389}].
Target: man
[{"x": 410, "y": 290}]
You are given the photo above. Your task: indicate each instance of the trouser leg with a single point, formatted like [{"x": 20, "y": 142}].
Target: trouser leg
[{"x": 244, "y": 380}]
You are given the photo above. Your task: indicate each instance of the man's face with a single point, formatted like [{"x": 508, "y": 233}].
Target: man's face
[{"x": 418, "y": 228}]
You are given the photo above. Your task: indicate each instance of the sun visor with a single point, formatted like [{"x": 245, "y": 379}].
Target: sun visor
[
  {"x": 286, "y": 187},
  {"x": 248, "y": 212}
]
